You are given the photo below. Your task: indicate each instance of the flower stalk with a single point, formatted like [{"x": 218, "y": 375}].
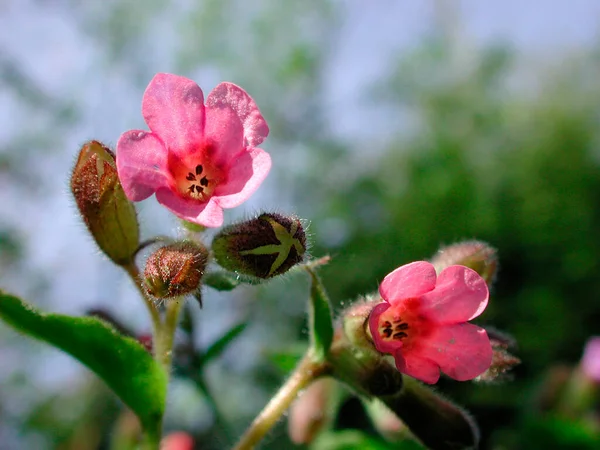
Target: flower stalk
[{"x": 307, "y": 371}]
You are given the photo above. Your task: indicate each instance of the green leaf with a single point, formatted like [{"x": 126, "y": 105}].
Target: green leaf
[
  {"x": 125, "y": 366},
  {"x": 287, "y": 359},
  {"x": 320, "y": 317},
  {"x": 217, "y": 347},
  {"x": 222, "y": 280}
]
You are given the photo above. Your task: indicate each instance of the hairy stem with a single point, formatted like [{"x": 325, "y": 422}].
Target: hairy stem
[
  {"x": 134, "y": 274},
  {"x": 307, "y": 371},
  {"x": 166, "y": 333}
]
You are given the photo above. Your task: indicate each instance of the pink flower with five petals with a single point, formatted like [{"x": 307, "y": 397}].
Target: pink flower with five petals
[
  {"x": 197, "y": 158},
  {"x": 423, "y": 322}
]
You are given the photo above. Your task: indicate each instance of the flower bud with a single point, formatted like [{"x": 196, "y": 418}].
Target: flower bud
[
  {"x": 263, "y": 247},
  {"x": 475, "y": 255},
  {"x": 108, "y": 214},
  {"x": 175, "y": 269},
  {"x": 502, "y": 359},
  {"x": 312, "y": 411}
]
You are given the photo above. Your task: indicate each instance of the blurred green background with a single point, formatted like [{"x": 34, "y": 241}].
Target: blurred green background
[{"x": 395, "y": 129}]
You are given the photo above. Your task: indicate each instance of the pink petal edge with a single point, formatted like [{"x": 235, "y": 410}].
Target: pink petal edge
[
  {"x": 255, "y": 126},
  {"x": 408, "y": 281},
  {"x": 141, "y": 164},
  {"x": 380, "y": 344},
  {"x": 247, "y": 172},
  {"x": 173, "y": 107},
  {"x": 462, "y": 351},
  {"x": 208, "y": 214},
  {"x": 412, "y": 364},
  {"x": 460, "y": 295}
]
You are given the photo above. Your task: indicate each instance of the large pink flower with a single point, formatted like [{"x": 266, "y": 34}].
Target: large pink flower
[
  {"x": 422, "y": 322},
  {"x": 197, "y": 158}
]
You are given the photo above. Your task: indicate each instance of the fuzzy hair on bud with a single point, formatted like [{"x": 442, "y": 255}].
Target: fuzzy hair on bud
[
  {"x": 175, "y": 270},
  {"x": 108, "y": 214},
  {"x": 476, "y": 255},
  {"x": 261, "y": 248}
]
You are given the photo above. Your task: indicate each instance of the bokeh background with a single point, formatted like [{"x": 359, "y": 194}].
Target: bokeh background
[{"x": 396, "y": 127}]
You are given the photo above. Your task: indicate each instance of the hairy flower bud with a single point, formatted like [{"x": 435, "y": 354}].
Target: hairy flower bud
[
  {"x": 475, "y": 255},
  {"x": 263, "y": 247},
  {"x": 175, "y": 269},
  {"x": 502, "y": 360},
  {"x": 108, "y": 214}
]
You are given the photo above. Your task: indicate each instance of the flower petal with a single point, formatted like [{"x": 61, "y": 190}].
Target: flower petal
[
  {"x": 408, "y": 281},
  {"x": 209, "y": 214},
  {"x": 247, "y": 172},
  {"x": 460, "y": 294},
  {"x": 228, "y": 94},
  {"x": 462, "y": 351},
  {"x": 383, "y": 345},
  {"x": 224, "y": 133},
  {"x": 414, "y": 365},
  {"x": 173, "y": 109},
  {"x": 141, "y": 164}
]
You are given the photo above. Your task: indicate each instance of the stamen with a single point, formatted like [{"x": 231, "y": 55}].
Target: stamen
[
  {"x": 204, "y": 181},
  {"x": 191, "y": 177},
  {"x": 387, "y": 332},
  {"x": 199, "y": 169},
  {"x": 199, "y": 190},
  {"x": 400, "y": 335},
  {"x": 191, "y": 188},
  {"x": 402, "y": 326}
]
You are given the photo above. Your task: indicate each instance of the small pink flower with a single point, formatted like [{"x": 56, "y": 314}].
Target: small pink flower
[
  {"x": 197, "y": 158},
  {"x": 177, "y": 441},
  {"x": 422, "y": 322},
  {"x": 590, "y": 363}
]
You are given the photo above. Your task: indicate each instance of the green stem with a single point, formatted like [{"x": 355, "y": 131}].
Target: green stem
[
  {"x": 307, "y": 371},
  {"x": 134, "y": 274},
  {"x": 166, "y": 333}
]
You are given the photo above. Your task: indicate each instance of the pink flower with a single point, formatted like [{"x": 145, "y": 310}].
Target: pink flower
[
  {"x": 422, "y": 322},
  {"x": 177, "y": 441},
  {"x": 590, "y": 363},
  {"x": 197, "y": 158}
]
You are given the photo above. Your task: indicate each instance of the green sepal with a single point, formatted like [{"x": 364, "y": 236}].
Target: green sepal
[
  {"x": 320, "y": 317},
  {"x": 222, "y": 280}
]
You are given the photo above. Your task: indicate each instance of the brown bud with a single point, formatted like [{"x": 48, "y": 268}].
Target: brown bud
[
  {"x": 108, "y": 214},
  {"x": 475, "y": 255},
  {"x": 175, "y": 269},
  {"x": 263, "y": 247}
]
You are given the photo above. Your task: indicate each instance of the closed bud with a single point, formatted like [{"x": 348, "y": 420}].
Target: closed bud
[
  {"x": 269, "y": 245},
  {"x": 175, "y": 269},
  {"x": 108, "y": 214},
  {"x": 475, "y": 255}
]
